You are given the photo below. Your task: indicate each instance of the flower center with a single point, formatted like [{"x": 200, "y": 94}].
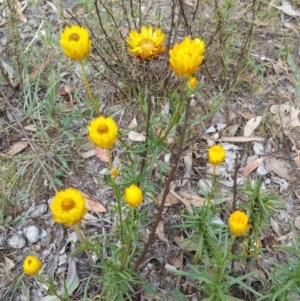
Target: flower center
[
  {"x": 68, "y": 204},
  {"x": 74, "y": 37},
  {"x": 102, "y": 129},
  {"x": 147, "y": 44},
  {"x": 29, "y": 262}
]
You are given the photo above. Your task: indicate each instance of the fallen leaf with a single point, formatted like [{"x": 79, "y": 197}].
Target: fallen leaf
[
  {"x": 8, "y": 263},
  {"x": 52, "y": 6},
  {"x": 92, "y": 205},
  {"x": 278, "y": 167},
  {"x": 88, "y": 154},
  {"x": 135, "y": 136},
  {"x": 297, "y": 161},
  {"x": 287, "y": 116},
  {"x": 289, "y": 236},
  {"x": 30, "y": 127},
  {"x": 251, "y": 166},
  {"x": 297, "y": 222},
  {"x": 292, "y": 26},
  {"x": 246, "y": 115},
  {"x": 133, "y": 123},
  {"x": 101, "y": 154},
  {"x": 275, "y": 227},
  {"x": 251, "y": 125},
  {"x": 20, "y": 10},
  {"x": 287, "y": 9},
  {"x": 171, "y": 200},
  {"x": 17, "y": 147},
  {"x": 36, "y": 71},
  {"x": 241, "y": 139},
  {"x": 160, "y": 231}
]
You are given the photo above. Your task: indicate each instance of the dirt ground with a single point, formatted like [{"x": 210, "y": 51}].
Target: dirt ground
[{"x": 256, "y": 121}]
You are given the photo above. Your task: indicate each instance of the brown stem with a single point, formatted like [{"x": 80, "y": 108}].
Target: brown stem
[{"x": 167, "y": 186}]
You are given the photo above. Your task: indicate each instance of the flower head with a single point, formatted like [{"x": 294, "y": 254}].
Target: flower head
[
  {"x": 216, "y": 155},
  {"x": 238, "y": 222},
  {"x": 193, "y": 82},
  {"x": 103, "y": 132},
  {"x": 68, "y": 207},
  {"x": 31, "y": 265},
  {"x": 146, "y": 45},
  {"x": 75, "y": 42},
  {"x": 186, "y": 57},
  {"x": 133, "y": 195},
  {"x": 114, "y": 172}
]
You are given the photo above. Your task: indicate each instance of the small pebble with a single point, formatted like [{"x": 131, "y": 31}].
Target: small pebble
[
  {"x": 40, "y": 210},
  {"x": 32, "y": 234},
  {"x": 16, "y": 242}
]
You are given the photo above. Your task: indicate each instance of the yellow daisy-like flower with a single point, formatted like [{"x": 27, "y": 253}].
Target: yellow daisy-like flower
[
  {"x": 216, "y": 155},
  {"x": 114, "y": 172},
  {"x": 75, "y": 42},
  {"x": 31, "y": 265},
  {"x": 68, "y": 207},
  {"x": 146, "y": 45},
  {"x": 186, "y": 57},
  {"x": 133, "y": 196},
  {"x": 103, "y": 132},
  {"x": 193, "y": 82},
  {"x": 238, "y": 222}
]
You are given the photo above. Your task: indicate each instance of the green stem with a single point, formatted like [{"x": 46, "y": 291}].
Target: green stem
[
  {"x": 213, "y": 186},
  {"x": 82, "y": 240},
  {"x": 87, "y": 85},
  {"x": 176, "y": 114},
  {"x": 51, "y": 289},
  {"x": 108, "y": 155},
  {"x": 115, "y": 188}
]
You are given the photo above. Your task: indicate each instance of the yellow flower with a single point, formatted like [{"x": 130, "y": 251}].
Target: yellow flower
[
  {"x": 133, "y": 196},
  {"x": 114, "y": 172},
  {"x": 193, "y": 82},
  {"x": 238, "y": 222},
  {"x": 75, "y": 42},
  {"x": 68, "y": 207},
  {"x": 216, "y": 155},
  {"x": 103, "y": 132},
  {"x": 146, "y": 45},
  {"x": 186, "y": 57},
  {"x": 31, "y": 265}
]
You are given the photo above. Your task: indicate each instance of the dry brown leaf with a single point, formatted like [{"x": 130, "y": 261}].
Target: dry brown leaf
[
  {"x": 246, "y": 115},
  {"x": 20, "y": 10},
  {"x": 101, "y": 154},
  {"x": 287, "y": 9},
  {"x": 290, "y": 235},
  {"x": 188, "y": 162},
  {"x": 241, "y": 139},
  {"x": 251, "y": 125},
  {"x": 92, "y": 205},
  {"x": 297, "y": 161},
  {"x": 17, "y": 147},
  {"x": 292, "y": 26},
  {"x": 133, "y": 123},
  {"x": 170, "y": 200},
  {"x": 36, "y": 71},
  {"x": 177, "y": 261},
  {"x": 9, "y": 264},
  {"x": 188, "y": 200},
  {"x": 88, "y": 154},
  {"x": 30, "y": 127},
  {"x": 297, "y": 222},
  {"x": 251, "y": 166},
  {"x": 160, "y": 231},
  {"x": 287, "y": 116},
  {"x": 135, "y": 136},
  {"x": 278, "y": 167},
  {"x": 275, "y": 227}
]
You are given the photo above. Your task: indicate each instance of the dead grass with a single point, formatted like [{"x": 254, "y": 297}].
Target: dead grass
[{"x": 246, "y": 71}]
